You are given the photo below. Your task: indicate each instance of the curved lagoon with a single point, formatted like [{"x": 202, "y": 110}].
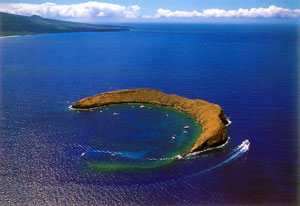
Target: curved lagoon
[{"x": 135, "y": 136}]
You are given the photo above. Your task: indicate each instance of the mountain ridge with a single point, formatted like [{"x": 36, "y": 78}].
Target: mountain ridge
[{"x": 11, "y": 24}]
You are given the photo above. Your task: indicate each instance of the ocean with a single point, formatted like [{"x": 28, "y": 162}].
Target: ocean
[{"x": 124, "y": 154}]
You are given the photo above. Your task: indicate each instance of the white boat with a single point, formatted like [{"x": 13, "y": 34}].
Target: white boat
[{"x": 179, "y": 157}]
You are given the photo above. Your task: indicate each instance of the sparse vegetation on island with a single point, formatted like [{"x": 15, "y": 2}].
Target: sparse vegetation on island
[
  {"x": 210, "y": 116},
  {"x": 12, "y": 25}
]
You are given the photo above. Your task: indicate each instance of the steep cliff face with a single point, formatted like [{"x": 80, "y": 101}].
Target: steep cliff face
[{"x": 210, "y": 116}]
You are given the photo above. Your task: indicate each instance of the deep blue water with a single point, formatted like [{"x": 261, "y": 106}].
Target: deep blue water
[{"x": 250, "y": 70}]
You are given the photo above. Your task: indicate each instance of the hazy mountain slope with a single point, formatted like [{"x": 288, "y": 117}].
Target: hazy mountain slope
[{"x": 11, "y": 24}]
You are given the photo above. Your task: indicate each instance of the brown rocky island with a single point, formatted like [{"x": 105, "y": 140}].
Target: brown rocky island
[{"x": 210, "y": 116}]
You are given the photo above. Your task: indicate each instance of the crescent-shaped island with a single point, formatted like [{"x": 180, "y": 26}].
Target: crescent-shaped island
[{"x": 209, "y": 116}]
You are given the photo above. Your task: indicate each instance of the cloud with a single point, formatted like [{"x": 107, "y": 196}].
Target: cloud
[
  {"x": 270, "y": 12},
  {"x": 88, "y": 10},
  {"x": 98, "y": 11}
]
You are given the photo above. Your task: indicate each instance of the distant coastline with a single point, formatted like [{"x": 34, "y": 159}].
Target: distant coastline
[
  {"x": 209, "y": 116},
  {"x": 11, "y": 36},
  {"x": 17, "y": 25}
]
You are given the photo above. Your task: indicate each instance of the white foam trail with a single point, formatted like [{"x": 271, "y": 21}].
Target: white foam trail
[
  {"x": 229, "y": 122},
  {"x": 238, "y": 152},
  {"x": 71, "y": 108},
  {"x": 209, "y": 149},
  {"x": 130, "y": 155},
  {"x": 13, "y": 36},
  {"x": 76, "y": 109},
  {"x": 241, "y": 149},
  {"x": 240, "y": 146},
  {"x": 189, "y": 155},
  {"x": 89, "y": 150}
]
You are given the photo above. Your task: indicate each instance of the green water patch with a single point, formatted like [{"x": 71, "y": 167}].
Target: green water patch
[{"x": 135, "y": 136}]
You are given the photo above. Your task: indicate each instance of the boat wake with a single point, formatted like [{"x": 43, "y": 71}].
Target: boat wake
[
  {"x": 89, "y": 152},
  {"x": 194, "y": 154},
  {"x": 235, "y": 154},
  {"x": 141, "y": 156},
  {"x": 229, "y": 122}
]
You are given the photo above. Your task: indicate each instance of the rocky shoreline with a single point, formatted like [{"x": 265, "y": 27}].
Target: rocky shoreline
[{"x": 210, "y": 116}]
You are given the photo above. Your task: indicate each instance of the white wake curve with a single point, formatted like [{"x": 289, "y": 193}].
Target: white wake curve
[
  {"x": 238, "y": 152},
  {"x": 139, "y": 155}
]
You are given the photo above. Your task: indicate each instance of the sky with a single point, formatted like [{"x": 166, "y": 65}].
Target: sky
[{"x": 157, "y": 10}]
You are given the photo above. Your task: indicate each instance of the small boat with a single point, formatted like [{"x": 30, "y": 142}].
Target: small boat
[
  {"x": 186, "y": 127},
  {"x": 142, "y": 106},
  {"x": 179, "y": 157},
  {"x": 100, "y": 111},
  {"x": 115, "y": 113},
  {"x": 82, "y": 154},
  {"x": 174, "y": 137},
  {"x": 185, "y": 132}
]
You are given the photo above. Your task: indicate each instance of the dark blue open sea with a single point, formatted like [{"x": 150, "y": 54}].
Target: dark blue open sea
[{"x": 124, "y": 154}]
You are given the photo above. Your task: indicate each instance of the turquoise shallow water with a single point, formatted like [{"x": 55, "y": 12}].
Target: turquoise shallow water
[{"x": 135, "y": 135}]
